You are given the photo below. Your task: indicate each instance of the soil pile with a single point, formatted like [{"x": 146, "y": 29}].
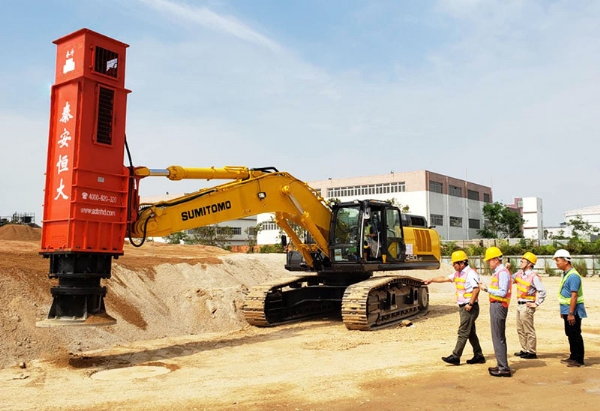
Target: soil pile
[
  {"x": 20, "y": 232},
  {"x": 155, "y": 291}
]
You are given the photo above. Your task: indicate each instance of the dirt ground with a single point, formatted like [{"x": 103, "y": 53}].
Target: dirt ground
[{"x": 181, "y": 343}]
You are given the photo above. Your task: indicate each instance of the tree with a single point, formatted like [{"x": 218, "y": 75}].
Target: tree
[
  {"x": 211, "y": 235},
  {"x": 332, "y": 201},
  {"x": 252, "y": 234},
  {"x": 501, "y": 222},
  {"x": 403, "y": 208},
  {"x": 581, "y": 228},
  {"x": 176, "y": 238}
]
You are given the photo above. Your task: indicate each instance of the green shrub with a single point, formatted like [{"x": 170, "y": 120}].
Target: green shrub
[
  {"x": 548, "y": 270},
  {"x": 474, "y": 250},
  {"x": 448, "y": 247},
  {"x": 581, "y": 267},
  {"x": 269, "y": 249}
]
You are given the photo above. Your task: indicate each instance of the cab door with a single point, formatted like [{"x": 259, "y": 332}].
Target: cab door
[{"x": 395, "y": 247}]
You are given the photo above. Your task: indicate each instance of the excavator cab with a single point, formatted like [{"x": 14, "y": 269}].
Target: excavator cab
[{"x": 366, "y": 232}]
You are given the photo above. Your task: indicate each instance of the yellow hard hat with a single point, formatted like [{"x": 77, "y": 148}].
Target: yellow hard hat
[
  {"x": 530, "y": 257},
  {"x": 492, "y": 252},
  {"x": 459, "y": 255}
]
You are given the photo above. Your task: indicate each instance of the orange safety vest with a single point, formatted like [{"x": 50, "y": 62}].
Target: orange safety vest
[
  {"x": 459, "y": 282},
  {"x": 525, "y": 288},
  {"x": 494, "y": 286}
]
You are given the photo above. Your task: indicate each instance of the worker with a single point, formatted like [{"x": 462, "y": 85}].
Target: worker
[
  {"x": 572, "y": 309},
  {"x": 500, "y": 291},
  {"x": 466, "y": 282},
  {"x": 371, "y": 245},
  {"x": 530, "y": 294}
]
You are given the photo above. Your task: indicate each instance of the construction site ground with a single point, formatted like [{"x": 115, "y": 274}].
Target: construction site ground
[{"x": 181, "y": 343}]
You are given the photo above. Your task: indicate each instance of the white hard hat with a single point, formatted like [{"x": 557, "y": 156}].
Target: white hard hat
[{"x": 562, "y": 253}]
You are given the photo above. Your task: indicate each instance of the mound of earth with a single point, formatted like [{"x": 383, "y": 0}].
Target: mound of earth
[
  {"x": 156, "y": 291},
  {"x": 20, "y": 232}
]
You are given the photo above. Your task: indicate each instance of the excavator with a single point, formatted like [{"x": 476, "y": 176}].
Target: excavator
[{"x": 93, "y": 203}]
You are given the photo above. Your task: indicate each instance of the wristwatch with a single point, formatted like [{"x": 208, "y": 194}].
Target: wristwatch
[{"x": 571, "y": 313}]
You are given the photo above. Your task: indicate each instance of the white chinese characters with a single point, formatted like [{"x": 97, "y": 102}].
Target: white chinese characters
[
  {"x": 62, "y": 165},
  {"x": 66, "y": 114},
  {"x": 69, "y": 63}
]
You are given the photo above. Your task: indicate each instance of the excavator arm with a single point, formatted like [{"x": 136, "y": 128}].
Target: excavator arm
[{"x": 252, "y": 192}]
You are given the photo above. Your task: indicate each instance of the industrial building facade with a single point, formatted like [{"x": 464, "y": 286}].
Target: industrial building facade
[{"x": 453, "y": 206}]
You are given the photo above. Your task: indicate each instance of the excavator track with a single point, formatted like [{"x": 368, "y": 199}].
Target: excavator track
[
  {"x": 286, "y": 300},
  {"x": 383, "y": 301}
]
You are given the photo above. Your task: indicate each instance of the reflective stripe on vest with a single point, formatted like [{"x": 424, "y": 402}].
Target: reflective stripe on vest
[
  {"x": 525, "y": 289},
  {"x": 459, "y": 282},
  {"x": 567, "y": 300},
  {"x": 494, "y": 286}
]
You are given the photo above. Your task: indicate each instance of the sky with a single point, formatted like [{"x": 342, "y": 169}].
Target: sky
[{"x": 503, "y": 93}]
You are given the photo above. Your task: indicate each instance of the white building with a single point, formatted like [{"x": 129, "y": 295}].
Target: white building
[
  {"x": 452, "y": 205},
  {"x": 589, "y": 214},
  {"x": 531, "y": 209}
]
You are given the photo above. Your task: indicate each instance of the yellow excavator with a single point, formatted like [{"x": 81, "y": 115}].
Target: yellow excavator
[
  {"x": 343, "y": 245},
  {"x": 92, "y": 203}
]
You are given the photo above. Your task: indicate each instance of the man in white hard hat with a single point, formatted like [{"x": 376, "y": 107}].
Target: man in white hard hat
[{"x": 572, "y": 310}]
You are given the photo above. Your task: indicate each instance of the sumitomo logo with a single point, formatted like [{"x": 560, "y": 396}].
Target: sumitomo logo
[{"x": 206, "y": 210}]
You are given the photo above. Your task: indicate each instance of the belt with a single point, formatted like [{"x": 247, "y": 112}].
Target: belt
[
  {"x": 524, "y": 302},
  {"x": 462, "y": 305}
]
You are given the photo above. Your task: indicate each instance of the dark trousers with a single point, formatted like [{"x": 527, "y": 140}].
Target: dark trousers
[
  {"x": 467, "y": 332},
  {"x": 573, "y": 332}
]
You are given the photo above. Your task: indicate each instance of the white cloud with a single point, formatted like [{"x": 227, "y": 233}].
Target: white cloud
[{"x": 211, "y": 20}]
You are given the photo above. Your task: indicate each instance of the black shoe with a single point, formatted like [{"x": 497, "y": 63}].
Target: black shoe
[
  {"x": 575, "y": 364},
  {"x": 521, "y": 353},
  {"x": 566, "y": 361},
  {"x": 529, "y": 356},
  {"x": 499, "y": 373},
  {"x": 451, "y": 359},
  {"x": 478, "y": 359},
  {"x": 490, "y": 369}
]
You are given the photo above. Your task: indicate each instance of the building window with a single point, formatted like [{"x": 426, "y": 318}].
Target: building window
[
  {"x": 486, "y": 197},
  {"x": 269, "y": 226},
  {"x": 367, "y": 189},
  {"x": 455, "y": 221},
  {"x": 436, "y": 187},
  {"x": 229, "y": 230},
  {"x": 436, "y": 220},
  {"x": 473, "y": 195},
  {"x": 474, "y": 223},
  {"x": 455, "y": 191}
]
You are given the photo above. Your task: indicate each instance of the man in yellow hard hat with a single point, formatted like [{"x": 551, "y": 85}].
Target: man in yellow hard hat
[
  {"x": 466, "y": 281},
  {"x": 530, "y": 294},
  {"x": 500, "y": 291}
]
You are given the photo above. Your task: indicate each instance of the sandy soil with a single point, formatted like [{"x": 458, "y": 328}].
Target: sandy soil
[{"x": 181, "y": 343}]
